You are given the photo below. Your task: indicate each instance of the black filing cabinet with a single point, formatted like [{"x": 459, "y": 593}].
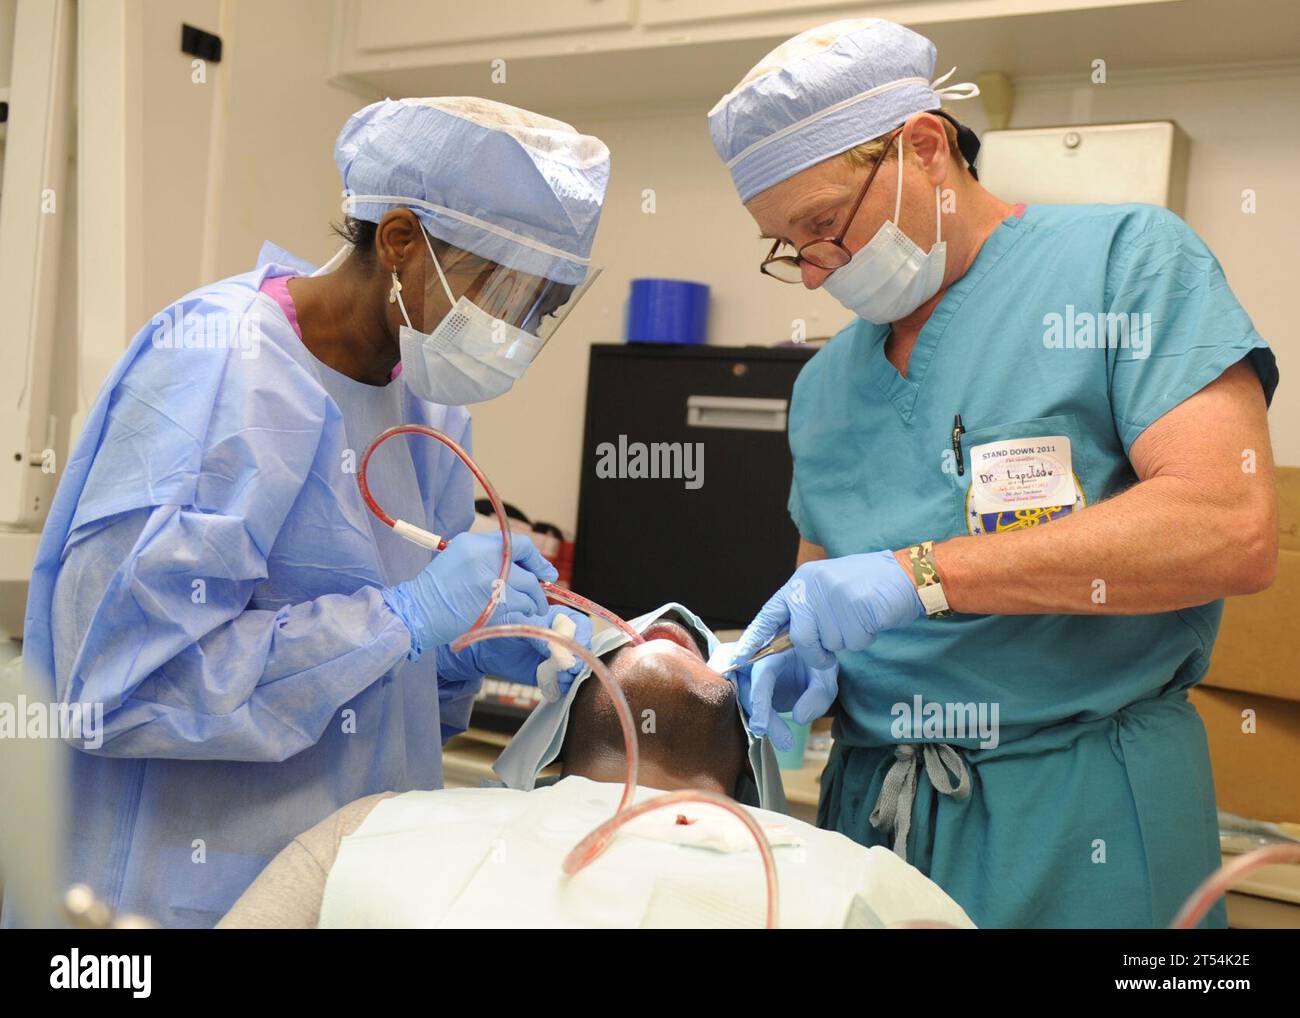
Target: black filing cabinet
[{"x": 721, "y": 548}]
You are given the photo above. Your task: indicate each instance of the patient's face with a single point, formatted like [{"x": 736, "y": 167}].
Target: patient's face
[{"x": 697, "y": 739}]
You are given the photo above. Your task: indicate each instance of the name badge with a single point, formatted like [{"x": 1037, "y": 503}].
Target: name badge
[{"x": 1022, "y": 473}]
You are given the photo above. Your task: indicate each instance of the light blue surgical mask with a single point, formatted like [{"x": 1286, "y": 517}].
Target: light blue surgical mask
[
  {"x": 890, "y": 276},
  {"x": 469, "y": 357}
]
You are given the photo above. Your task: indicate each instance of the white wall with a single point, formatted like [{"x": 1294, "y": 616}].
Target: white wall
[
  {"x": 278, "y": 180},
  {"x": 1241, "y": 125},
  {"x": 177, "y": 114}
]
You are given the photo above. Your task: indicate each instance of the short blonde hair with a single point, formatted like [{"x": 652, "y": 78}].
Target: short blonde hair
[{"x": 870, "y": 152}]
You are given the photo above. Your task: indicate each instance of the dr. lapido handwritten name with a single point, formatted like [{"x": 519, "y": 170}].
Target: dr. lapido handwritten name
[{"x": 1021, "y": 475}]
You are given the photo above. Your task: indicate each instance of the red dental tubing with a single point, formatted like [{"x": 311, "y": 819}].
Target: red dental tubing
[
  {"x": 437, "y": 543},
  {"x": 598, "y": 669},
  {"x": 591, "y": 847},
  {"x": 1217, "y": 883}
]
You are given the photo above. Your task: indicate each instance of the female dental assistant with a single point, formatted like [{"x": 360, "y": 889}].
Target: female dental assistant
[
  {"x": 263, "y": 648},
  {"x": 1024, "y": 477}
]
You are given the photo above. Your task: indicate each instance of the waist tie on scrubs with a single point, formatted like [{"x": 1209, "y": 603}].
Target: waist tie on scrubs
[{"x": 893, "y": 809}]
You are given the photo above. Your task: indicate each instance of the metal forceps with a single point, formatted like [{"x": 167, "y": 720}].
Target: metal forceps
[{"x": 779, "y": 643}]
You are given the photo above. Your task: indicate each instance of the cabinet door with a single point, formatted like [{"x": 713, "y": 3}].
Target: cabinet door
[
  {"x": 714, "y": 534},
  {"x": 378, "y": 25}
]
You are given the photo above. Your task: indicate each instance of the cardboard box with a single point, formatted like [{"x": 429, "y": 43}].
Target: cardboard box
[
  {"x": 1258, "y": 649},
  {"x": 1256, "y": 667},
  {"x": 1256, "y": 774},
  {"x": 1288, "y": 496}
]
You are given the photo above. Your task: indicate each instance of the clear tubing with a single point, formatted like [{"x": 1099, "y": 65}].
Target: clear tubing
[
  {"x": 598, "y": 669},
  {"x": 1217, "y": 883},
  {"x": 583, "y": 604},
  {"x": 497, "y": 507},
  {"x": 590, "y": 848},
  {"x": 552, "y": 591}
]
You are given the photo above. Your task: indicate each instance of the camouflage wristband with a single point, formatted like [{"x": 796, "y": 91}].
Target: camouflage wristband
[{"x": 925, "y": 574}]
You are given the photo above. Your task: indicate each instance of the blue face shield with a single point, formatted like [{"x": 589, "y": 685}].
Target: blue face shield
[{"x": 541, "y": 736}]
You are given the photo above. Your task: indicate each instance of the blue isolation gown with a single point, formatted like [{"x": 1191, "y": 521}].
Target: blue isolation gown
[
  {"x": 1096, "y": 807},
  {"x": 209, "y": 574}
]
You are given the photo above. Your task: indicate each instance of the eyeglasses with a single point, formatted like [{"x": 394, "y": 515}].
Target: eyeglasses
[{"x": 826, "y": 253}]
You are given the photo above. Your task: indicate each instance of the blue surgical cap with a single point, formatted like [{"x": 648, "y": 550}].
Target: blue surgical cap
[
  {"x": 541, "y": 737},
  {"x": 821, "y": 93},
  {"x": 514, "y": 187}
]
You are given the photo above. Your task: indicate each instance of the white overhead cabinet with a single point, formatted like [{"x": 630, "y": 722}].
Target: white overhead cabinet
[
  {"x": 1110, "y": 163},
  {"x": 622, "y": 55},
  {"x": 379, "y": 26},
  {"x": 909, "y": 12}
]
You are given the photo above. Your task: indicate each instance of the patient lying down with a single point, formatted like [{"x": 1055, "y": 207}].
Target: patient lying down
[
  {"x": 688, "y": 729},
  {"x": 491, "y": 857}
]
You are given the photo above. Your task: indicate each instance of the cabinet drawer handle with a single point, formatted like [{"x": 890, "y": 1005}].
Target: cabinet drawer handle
[{"x": 736, "y": 412}]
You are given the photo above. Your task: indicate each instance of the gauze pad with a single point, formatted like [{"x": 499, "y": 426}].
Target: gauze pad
[{"x": 561, "y": 660}]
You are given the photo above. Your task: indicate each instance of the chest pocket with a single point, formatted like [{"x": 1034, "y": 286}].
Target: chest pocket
[{"x": 1013, "y": 518}]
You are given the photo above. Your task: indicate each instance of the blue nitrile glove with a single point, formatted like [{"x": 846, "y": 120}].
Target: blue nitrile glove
[
  {"x": 781, "y": 682},
  {"x": 835, "y": 604},
  {"x": 517, "y": 660},
  {"x": 449, "y": 593}
]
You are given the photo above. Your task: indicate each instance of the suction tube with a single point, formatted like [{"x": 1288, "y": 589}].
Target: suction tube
[
  {"x": 1217, "y": 884},
  {"x": 598, "y": 669},
  {"x": 432, "y": 541},
  {"x": 589, "y": 849}
]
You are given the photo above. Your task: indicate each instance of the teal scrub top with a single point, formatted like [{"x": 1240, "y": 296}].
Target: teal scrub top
[{"x": 1096, "y": 806}]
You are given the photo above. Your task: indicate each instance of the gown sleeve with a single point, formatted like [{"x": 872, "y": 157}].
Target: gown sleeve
[
  {"x": 206, "y": 678},
  {"x": 1184, "y": 325},
  {"x": 201, "y": 458}
]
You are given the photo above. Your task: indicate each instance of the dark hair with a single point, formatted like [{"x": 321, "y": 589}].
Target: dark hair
[{"x": 360, "y": 233}]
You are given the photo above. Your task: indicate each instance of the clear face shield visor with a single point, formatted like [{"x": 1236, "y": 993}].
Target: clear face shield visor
[{"x": 516, "y": 300}]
